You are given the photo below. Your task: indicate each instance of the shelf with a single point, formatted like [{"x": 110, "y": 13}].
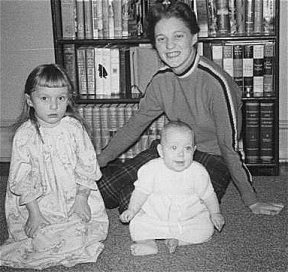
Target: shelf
[
  {"x": 237, "y": 38},
  {"x": 108, "y": 100},
  {"x": 128, "y": 40},
  {"x": 260, "y": 98}
]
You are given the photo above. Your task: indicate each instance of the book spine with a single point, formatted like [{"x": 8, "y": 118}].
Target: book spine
[
  {"x": 100, "y": 18},
  {"x": 212, "y": 18},
  {"x": 258, "y": 69},
  {"x": 238, "y": 64},
  {"x": 228, "y": 59},
  {"x": 202, "y": 17},
  {"x": 217, "y": 54},
  {"x": 249, "y": 16},
  {"x": 70, "y": 63},
  {"x": 111, "y": 19},
  {"x": 88, "y": 113},
  {"x": 82, "y": 76},
  {"x": 106, "y": 62},
  {"x": 134, "y": 70},
  {"x": 115, "y": 71},
  {"x": 112, "y": 120},
  {"x": 251, "y": 137},
  {"x": 80, "y": 19},
  {"x": 105, "y": 18},
  {"x": 68, "y": 13},
  {"x": 94, "y": 19},
  {"x": 232, "y": 17},
  {"x": 105, "y": 136},
  {"x": 97, "y": 129},
  {"x": 240, "y": 17},
  {"x": 125, "y": 18},
  {"x": 258, "y": 16},
  {"x": 88, "y": 19},
  {"x": 268, "y": 17},
  {"x": 248, "y": 70},
  {"x": 99, "y": 72},
  {"x": 117, "y": 8},
  {"x": 266, "y": 132},
  {"x": 268, "y": 69},
  {"x": 223, "y": 23},
  {"x": 90, "y": 66}
]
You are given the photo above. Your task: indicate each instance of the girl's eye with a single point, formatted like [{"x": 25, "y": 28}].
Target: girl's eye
[
  {"x": 62, "y": 98},
  {"x": 188, "y": 148},
  {"x": 44, "y": 98},
  {"x": 160, "y": 39},
  {"x": 179, "y": 36},
  {"x": 174, "y": 147}
]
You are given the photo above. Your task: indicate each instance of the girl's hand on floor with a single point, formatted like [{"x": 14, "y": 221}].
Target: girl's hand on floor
[
  {"x": 218, "y": 221},
  {"x": 126, "y": 216},
  {"x": 266, "y": 208},
  {"x": 81, "y": 208}
]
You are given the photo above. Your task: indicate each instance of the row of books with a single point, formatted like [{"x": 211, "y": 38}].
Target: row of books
[
  {"x": 250, "y": 63},
  {"x": 236, "y": 17},
  {"x": 258, "y": 136},
  {"x": 107, "y": 72},
  {"x": 105, "y": 119}
]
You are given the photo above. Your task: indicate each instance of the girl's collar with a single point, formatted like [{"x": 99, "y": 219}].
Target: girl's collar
[{"x": 190, "y": 68}]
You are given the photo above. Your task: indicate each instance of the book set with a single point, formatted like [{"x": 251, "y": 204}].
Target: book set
[{"x": 105, "y": 119}]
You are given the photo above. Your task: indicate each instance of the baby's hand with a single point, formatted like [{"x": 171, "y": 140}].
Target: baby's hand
[
  {"x": 34, "y": 222},
  {"x": 81, "y": 208},
  {"x": 127, "y": 216},
  {"x": 217, "y": 220}
]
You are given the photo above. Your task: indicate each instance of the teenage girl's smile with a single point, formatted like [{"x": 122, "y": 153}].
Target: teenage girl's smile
[{"x": 174, "y": 43}]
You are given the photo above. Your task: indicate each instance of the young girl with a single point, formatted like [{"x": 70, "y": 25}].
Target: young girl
[
  {"x": 55, "y": 213},
  {"x": 173, "y": 197}
]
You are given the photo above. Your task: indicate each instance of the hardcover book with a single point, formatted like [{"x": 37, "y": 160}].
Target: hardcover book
[
  {"x": 68, "y": 13},
  {"x": 248, "y": 70},
  {"x": 223, "y": 22},
  {"x": 268, "y": 69},
  {"x": 258, "y": 69}
]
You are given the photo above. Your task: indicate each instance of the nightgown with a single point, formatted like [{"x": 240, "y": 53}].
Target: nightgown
[
  {"x": 174, "y": 207},
  {"x": 48, "y": 169}
]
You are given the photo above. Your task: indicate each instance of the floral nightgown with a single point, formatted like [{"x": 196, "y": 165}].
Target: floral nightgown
[{"x": 49, "y": 171}]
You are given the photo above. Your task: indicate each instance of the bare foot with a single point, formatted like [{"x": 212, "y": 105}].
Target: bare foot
[
  {"x": 145, "y": 247},
  {"x": 171, "y": 244}
]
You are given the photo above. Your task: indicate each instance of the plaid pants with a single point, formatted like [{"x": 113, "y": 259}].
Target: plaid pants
[{"x": 117, "y": 182}]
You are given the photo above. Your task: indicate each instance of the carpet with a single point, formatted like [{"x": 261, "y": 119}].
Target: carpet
[{"x": 247, "y": 243}]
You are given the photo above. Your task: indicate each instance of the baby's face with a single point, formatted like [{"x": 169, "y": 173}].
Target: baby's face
[{"x": 177, "y": 149}]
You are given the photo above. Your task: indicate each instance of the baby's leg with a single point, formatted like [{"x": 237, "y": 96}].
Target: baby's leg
[
  {"x": 144, "y": 247},
  {"x": 171, "y": 244}
]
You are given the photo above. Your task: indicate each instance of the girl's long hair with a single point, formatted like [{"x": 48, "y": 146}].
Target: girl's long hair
[{"x": 50, "y": 76}]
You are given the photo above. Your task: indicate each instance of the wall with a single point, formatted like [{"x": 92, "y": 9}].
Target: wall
[{"x": 26, "y": 41}]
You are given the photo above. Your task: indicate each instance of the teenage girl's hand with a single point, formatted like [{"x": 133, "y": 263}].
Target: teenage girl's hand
[
  {"x": 217, "y": 220},
  {"x": 81, "y": 208},
  {"x": 34, "y": 222},
  {"x": 266, "y": 208},
  {"x": 127, "y": 216}
]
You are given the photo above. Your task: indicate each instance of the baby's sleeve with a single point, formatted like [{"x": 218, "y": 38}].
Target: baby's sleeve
[
  {"x": 87, "y": 168},
  {"x": 145, "y": 179},
  {"x": 23, "y": 180}
]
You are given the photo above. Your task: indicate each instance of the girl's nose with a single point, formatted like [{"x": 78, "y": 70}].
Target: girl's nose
[
  {"x": 170, "y": 43},
  {"x": 53, "y": 104}
]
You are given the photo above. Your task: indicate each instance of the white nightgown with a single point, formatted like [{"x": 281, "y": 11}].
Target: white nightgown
[
  {"x": 50, "y": 172},
  {"x": 174, "y": 207}
]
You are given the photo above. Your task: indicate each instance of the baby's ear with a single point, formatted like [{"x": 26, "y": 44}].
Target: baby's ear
[{"x": 160, "y": 150}]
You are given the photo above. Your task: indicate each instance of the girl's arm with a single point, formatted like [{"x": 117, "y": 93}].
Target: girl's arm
[{"x": 35, "y": 219}]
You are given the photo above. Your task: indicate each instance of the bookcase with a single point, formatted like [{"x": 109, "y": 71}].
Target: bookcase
[{"x": 93, "y": 37}]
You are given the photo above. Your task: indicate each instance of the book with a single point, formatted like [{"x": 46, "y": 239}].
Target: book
[
  {"x": 212, "y": 18},
  {"x": 228, "y": 59},
  {"x": 70, "y": 63},
  {"x": 268, "y": 17},
  {"x": 268, "y": 82},
  {"x": 125, "y": 73},
  {"x": 99, "y": 15},
  {"x": 88, "y": 19},
  {"x": 68, "y": 14},
  {"x": 117, "y": 10},
  {"x": 82, "y": 74},
  {"x": 105, "y": 18},
  {"x": 232, "y": 17},
  {"x": 105, "y": 135},
  {"x": 258, "y": 69},
  {"x": 240, "y": 17},
  {"x": 110, "y": 19},
  {"x": 202, "y": 17},
  {"x": 238, "y": 64},
  {"x": 267, "y": 132},
  {"x": 99, "y": 72},
  {"x": 94, "y": 19},
  {"x": 106, "y": 66},
  {"x": 217, "y": 53},
  {"x": 125, "y": 18},
  {"x": 80, "y": 19},
  {"x": 96, "y": 125},
  {"x": 223, "y": 23},
  {"x": 248, "y": 70},
  {"x": 88, "y": 116},
  {"x": 258, "y": 16},
  {"x": 249, "y": 17},
  {"x": 90, "y": 66},
  {"x": 112, "y": 120},
  {"x": 115, "y": 71},
  {"x": 251, "y": 136}
]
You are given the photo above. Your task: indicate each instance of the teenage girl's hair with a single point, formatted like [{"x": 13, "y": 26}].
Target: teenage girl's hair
[
  {"x": 180, "y": 125},
  {"x": 50, "y": 76},
  {"x": 170, "y": 9}
]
